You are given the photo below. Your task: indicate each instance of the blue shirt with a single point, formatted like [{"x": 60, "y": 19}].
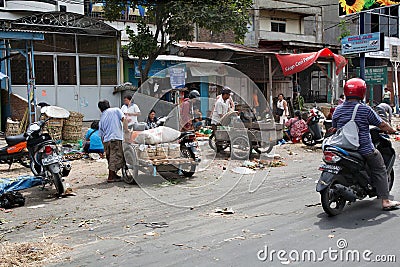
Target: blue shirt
[
  {"x": 95, "y": 140},
  {"x": 364, "y": 118},
  {"x": 110, "y": 125}
]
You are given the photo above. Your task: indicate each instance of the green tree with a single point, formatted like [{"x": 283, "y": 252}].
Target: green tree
[
  {"x": 344, "y": 30},
  {"x": 170, "y": 21}
]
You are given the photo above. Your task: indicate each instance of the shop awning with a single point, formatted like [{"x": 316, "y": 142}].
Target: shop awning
[{"x": 294, "y": 63}]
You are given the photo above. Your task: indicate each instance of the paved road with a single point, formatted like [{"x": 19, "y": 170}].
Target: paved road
[{"x": 282, "y": 214}]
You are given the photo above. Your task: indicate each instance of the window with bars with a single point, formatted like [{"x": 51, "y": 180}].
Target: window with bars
[
  {"x": 44, "y": 70},
  {"x": 278, "y": 25},
  {"x": 384, "y": 20},
  {"x": 66, "y": 70}
]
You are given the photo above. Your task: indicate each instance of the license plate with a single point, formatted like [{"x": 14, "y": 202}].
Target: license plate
[
  {"x": 191, "y": 144},
  {"x": 50, "y": 160},
  {"x": 330, "y": 168}
]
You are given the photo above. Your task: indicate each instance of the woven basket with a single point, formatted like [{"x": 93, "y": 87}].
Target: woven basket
[
  {"x": 54, "y": 132},
  {"x": 71, "y": 136},
  {"x": 74, "y": 119},
  {"x": 12, "y": 128},
  {"x": 72, "y": 129}
]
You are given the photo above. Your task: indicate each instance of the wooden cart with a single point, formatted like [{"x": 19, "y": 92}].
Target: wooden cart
[
  {"x": 135, "y": 160},
  {"x": 243, "y": 138}
]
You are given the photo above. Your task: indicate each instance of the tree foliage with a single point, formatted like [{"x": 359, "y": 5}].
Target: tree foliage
[
  {"x": 344, "y": 30},
  {"x": 170, "y": 21}
]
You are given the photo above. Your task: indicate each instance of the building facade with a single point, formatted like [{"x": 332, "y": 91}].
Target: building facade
[{"x": 77, "y": 63}]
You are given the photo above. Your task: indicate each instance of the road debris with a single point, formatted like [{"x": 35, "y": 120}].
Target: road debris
[
  {"x": 157, "y": 225},
  {"x": 152, "y": 233},
  {"x": 224, "y": 210},
  {"x": 243, "y": 170},
  {"x": 153, "y": 224},
  {"x": 313, "y": 205},
  {"x": 31, "y": 253},
  {"x": 12, "y": 199},
  {"x": 36, "y": 206}
]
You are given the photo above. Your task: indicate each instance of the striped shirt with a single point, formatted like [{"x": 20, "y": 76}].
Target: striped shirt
[{"x": 365, "y": 116}]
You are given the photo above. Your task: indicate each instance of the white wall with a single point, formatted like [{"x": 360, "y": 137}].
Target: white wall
[
  {"x": 83, "y": 99},
  {"x": 121, "y": 26},
  {"x": 37, "y": 6},
  {"x": 293, "y": 22}
]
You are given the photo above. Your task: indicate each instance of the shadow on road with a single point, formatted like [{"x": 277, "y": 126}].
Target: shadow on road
[{"x": 365, "y": 213}]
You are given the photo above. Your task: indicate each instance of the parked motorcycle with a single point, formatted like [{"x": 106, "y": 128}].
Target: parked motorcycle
[
  {"x": 15, "y": 151},
  {"x": 313, "y": 134},
  {"x": 346, "y": 176},
  {"x": 189, "y": 146},
  {"x": 46, "y": 161}
]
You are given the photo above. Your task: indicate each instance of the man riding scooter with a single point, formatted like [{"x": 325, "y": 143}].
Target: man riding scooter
[{"x": 355, "y": 90}]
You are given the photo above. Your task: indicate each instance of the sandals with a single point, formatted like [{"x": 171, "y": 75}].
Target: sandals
[
  {"x": 114, "y": 180},
  {"x": 392, "y": 207}
]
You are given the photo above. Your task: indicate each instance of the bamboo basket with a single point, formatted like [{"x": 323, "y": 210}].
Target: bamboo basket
[
  {"x": 12, "y": 127},
  {"x": 72, "y": 129},
  {"x": 53, "y": 127},
  {"x": 74, "y": 119}
]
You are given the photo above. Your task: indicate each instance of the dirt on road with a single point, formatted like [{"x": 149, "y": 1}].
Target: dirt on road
[{"x": 163, "y": 219}]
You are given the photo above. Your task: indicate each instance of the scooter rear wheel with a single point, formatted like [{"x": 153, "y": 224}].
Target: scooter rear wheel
[
  {"x": 332, "y": 203},
  {"x": 58, "y": 183},
  {"x": 308, "y": 139},
  {"x": 192, "y": 168}
]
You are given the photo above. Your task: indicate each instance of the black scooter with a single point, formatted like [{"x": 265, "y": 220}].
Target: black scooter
[
  {"x": 346, "y": 176},
  {"x": 313, "y": 133},
  {"x": 46, "y": 161}
]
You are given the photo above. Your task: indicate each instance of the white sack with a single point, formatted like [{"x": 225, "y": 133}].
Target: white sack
[
  {"x": 157, "y": 135},
  {"x": 55, "y": 112}
]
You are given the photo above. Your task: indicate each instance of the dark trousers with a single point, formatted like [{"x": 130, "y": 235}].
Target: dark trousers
[{"x": 379, "y": 176}]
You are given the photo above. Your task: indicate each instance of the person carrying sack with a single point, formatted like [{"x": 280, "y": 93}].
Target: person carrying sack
[{"x": 364, "y": 116}]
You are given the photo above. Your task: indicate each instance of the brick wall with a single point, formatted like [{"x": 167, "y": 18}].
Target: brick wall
[
  {"x": 204, "y": 35},
  {"x": 18, "y": 105}
]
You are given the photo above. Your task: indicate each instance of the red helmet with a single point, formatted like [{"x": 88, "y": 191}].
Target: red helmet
[{"x": 355, "y": 88}]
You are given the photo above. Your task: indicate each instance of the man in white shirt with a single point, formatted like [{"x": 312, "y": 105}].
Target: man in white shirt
[
  {"x": 221, "y": 107},
  {"x": 131, "y": 111}
]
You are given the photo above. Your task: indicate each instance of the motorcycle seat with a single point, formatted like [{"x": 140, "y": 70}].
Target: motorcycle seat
[
  {"x": 355, "y": 155},
  {"x": 186, "y": 133},
  {"x": 13, "y": 140}
]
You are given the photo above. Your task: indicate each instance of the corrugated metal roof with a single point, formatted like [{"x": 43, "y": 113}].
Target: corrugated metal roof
[
  {"x": 222, "y": 46},
  {"x": 185, "y": 59},
  {"x": 189, "y": 59}
]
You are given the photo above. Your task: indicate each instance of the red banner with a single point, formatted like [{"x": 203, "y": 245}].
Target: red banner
[{"x": 294, "y": 63}]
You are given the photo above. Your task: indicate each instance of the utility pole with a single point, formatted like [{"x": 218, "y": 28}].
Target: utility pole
[{"x": 362, "y": 55}]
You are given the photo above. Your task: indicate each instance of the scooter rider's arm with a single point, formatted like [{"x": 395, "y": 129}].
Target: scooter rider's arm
[{"x": 384, "y": 126}]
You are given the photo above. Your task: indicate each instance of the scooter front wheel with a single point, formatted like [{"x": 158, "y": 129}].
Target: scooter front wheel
[
  {"x": 308, "y": 139},
  {"x": 332, "y": 202}
]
